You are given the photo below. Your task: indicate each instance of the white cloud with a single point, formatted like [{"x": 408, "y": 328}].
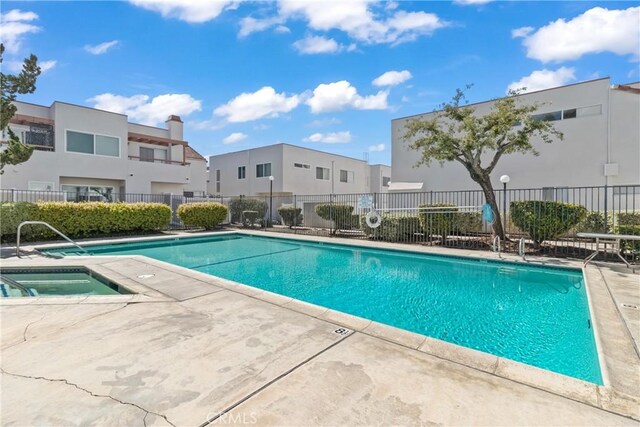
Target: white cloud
[
  {"x": 330, "y": 138},
  {"x": 14, "y": 25},
  {"x": 392, "y": 78},
  {"x": 192, "y": 11},
  {"x": 544, "y": 79},
  {"x": 311, "y": 45},
  {"x": 234, "y": 137},
  {"x": 282, "y": 29},
  {"x": 377, "y": 147},
  {"x": 149, "y": 112},
  {"x": 521, "y": 32},
  {"x": 471, "y": 2},
  {"x": 597, "y": 30},
  {"x": 47, "y": 65},
  {"x": 340, "y": 95},
  {"x": 101, "y": 48},
  {"x": 363, "y": 20},
  {"x": 249, "y": 25},
  {"x": 264, "y": 102}
]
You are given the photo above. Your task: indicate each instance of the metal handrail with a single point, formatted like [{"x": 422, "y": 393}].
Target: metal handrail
[
  {"x": 495, "y": 246},
  {"x": 15, "y": 284},
  {"x": 59, "y": 233},
  {"x": 522, "y": 249}
]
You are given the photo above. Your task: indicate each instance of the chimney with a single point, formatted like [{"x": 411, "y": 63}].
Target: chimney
[{"x": 175, "y": 126}]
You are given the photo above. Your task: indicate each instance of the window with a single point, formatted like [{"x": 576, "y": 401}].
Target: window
[
  {"x": 87, "y": 193},
  {"x": 153, "y": 154},
  {"x": 40, "y": 186},
  {"x": 87, "y": 143},
  {"x": 322, "y": 173},
  {"x": 347, "y": 176},
  {"x": 242, "y": 172},
  {"x": 217, "y": 180},
  {"x": 302, "y": 166},
  {"x": 263, "y": 170},
  {"x": 548, "y": 117},
  {"x": 146, "y": 154},
  {"x": 593, "y": 110},
  {"x": 569, "y": 114},
  {"x": 385, "y": 181}
]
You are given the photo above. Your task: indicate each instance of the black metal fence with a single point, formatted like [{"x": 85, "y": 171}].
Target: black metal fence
[{"x": 438, "y": 218}]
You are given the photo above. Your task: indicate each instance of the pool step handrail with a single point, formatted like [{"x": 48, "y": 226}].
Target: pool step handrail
[
  {"x": 495, "y": 245},
  {"x": 522, "y": 249},
  {"x": 46, "y": 224},
  {"x": 15, "y": 284}
]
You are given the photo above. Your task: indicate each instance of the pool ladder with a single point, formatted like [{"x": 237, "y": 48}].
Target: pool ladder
[
  {"x": 495, "y": 245},
  {"x": 522, "y": 249},
  {"x": 46, "y": 224}
]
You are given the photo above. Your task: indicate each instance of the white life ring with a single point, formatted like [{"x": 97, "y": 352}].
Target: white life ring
[{"x": 373, "y": 219}]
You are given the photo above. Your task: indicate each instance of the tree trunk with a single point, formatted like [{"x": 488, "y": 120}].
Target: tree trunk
[{"x": 487, "y": 188}]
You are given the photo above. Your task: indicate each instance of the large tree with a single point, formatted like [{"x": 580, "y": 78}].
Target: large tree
[
  {"x": 25, "y": 82},
  {"x": 478, "y": 142}
]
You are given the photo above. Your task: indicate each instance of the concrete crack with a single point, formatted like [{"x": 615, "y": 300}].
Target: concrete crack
[
  {"x": 26, "y": 329},
  {"x": 105, "y": 396}
]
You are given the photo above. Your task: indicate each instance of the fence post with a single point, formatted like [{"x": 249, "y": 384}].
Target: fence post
[{"x": 606, "y": 214}]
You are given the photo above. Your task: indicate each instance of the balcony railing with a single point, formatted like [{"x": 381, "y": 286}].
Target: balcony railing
[{"x": 154, "y": 160}]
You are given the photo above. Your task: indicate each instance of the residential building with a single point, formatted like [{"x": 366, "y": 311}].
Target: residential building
[
  {"x": 295, "y": 170},
  {"x": 91, "y": 154},
  {"x": 601, "y": 127}
]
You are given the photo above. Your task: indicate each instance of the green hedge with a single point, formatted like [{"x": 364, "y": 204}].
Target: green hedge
[
  {"x": 12, "y": 214},
  {"x": 445, "y": 220},
  {"x": 593, "y": 222},
  {"x": 290, "y": 215},
  {"x": 202, "y": 214},
  {"x": 546, "y": 220},
  {"x": 393, "y": 228},
  {"x": 84, "y": 219},
  {"x": 628, "y": 223},
  {"x": 237, "y": 205},
  {"x": 341, "y": 215}
]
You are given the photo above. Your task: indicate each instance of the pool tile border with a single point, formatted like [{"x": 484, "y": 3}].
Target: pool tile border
[{"x": 603, "y": 397}]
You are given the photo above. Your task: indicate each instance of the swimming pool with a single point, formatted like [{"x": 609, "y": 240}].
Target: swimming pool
[
  {"x": 532, "y": 314},
  {"x": 47, "y": 281}
]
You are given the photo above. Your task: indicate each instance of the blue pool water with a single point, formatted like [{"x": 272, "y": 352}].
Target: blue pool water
[{"x": 532, "y": 314}]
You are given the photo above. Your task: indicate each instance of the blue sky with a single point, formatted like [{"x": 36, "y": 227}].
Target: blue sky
[{"x": 328, "y": 75}]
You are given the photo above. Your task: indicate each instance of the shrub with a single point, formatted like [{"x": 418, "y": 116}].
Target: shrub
[
  {"x": 341, "y": 215},
  {"x": 628, "y": 223},
  {"x": 250, "y": 217},
  {"x": 290, "y": 215},
  {"x": 468, "y": 222},
  {"x": 546, "y": 220},
  {"x": 202, "y": 214},
  {"x": 12, "y": 214},
  {"x": 393, "y": 227},
  {"x": 237, "y": 205},
  {"x": 85, "y": 219},
  {"x": 439, "y": 219},
  {"x": 593, "y": 222}
]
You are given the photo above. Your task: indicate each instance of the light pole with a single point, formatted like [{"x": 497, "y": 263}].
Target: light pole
[
  {"x": 270, "y": 200},
  {"x": 504, "y": 179}
]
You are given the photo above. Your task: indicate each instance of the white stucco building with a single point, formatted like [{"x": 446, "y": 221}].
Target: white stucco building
[
  {"x": 91, "y": 154},
  {"x": 601, "y": 127},
  {"x": 296, "y": 170}
]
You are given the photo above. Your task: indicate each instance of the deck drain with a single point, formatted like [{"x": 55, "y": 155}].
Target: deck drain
[
  {"x": 342, "y": 331},
  {"x": 146, "y": 276},
  {"x": 631, "y": 306}
]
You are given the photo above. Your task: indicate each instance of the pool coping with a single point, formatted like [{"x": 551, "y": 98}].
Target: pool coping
[{"x": 603, "y": 397}]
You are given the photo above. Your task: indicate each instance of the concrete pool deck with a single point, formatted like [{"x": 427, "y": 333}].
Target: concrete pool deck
[{"x": 192, "y": 349}]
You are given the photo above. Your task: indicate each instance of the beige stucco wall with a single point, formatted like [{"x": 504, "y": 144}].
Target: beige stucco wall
[
  {"x": 137, "y": 176},
  {"x": 577, "y": 161}
]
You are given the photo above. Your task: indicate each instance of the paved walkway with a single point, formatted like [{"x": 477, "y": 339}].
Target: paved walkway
[{"x": 195, "y": 353}]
